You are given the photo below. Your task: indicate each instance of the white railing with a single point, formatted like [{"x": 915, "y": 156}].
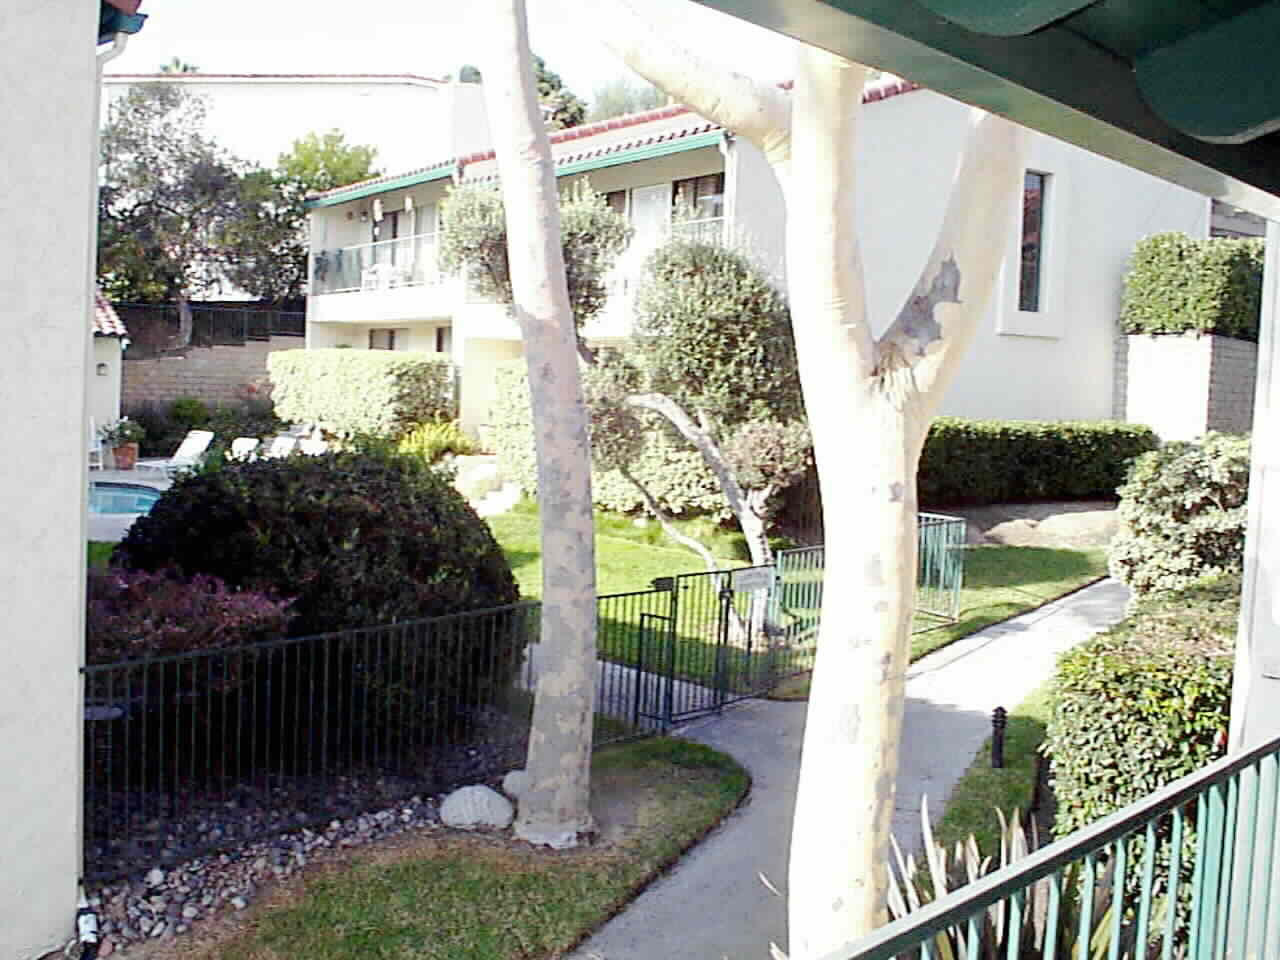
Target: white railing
[{"x": 404, "y": 262}]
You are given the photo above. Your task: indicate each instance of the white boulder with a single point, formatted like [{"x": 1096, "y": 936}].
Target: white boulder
[
  {"x": 476, "y": 808},
  {"x": 515, "y": 783}
]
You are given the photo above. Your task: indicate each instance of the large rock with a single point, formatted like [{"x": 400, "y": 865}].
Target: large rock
[
  {"x": 515, "y": 783},
  {"x": 476, "y": 808}
]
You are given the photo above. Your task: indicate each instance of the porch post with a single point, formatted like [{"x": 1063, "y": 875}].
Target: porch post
[
  {"x": 1255, "y": 698},
  {"x": 1255, "y": 693},
  {"x": 48, "y": 122}
]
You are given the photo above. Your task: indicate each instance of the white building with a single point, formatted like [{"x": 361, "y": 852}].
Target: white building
[
  {"x": 257, "y": 116},
  {"x": 1047, "y": 350}
]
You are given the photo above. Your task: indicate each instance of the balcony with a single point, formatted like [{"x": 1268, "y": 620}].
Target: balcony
[
  {"x": 385, "y": 283},
  {"x": 1188, "y": 872},
  {"x": 405, "y": 262}
]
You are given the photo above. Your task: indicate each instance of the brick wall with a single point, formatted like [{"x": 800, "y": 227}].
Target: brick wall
[
  {"x": 1181, "y": 386},
  {"x": 217, "y": 375},
  {"x": 1233, "y": 372}
]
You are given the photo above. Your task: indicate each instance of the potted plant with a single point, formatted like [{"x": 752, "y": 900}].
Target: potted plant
[{"x": 123, "y": 437}]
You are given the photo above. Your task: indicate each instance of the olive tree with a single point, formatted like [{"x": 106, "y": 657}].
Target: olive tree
[
  {"x": 713, "y": 359},
  {"x": 592, "y": 236}
]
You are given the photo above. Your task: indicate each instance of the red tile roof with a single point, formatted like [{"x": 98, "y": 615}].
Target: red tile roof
[
  {"x": 882, "y": 89},
  {"x": 106, "y": 322},
  {"x": 199, "y": 76}
]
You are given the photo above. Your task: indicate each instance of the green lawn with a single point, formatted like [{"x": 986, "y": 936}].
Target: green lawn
[
  {"x": 627, "y": 557},
  {"x": 1002, "y": 582},
  {"x": 443, "y": 895},
  {"x": 971, "y": 808},
  {"x": 99, "y": 553},
  {"x": 999, "y": 583}
]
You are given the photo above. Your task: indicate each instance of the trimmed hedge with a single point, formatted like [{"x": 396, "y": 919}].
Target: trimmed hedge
[
  {"x": 1183, "y": 514},
  {"x": 1179, "y": 285},
  {"x": 675, "y": 474},
  {"x": 1002, "y": 461},
  {"x": 1144, "y": 703},
  {"x": 349, "y": 392}
]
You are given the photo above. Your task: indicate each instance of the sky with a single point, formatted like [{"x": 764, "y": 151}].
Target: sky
[{"x": 425, "y": 37}]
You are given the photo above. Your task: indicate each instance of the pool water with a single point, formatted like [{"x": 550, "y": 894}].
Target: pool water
[{"x": 121, "y": 498}]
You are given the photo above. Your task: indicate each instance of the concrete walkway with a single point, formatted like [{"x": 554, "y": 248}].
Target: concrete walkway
[{"x": 714, "y": 906}]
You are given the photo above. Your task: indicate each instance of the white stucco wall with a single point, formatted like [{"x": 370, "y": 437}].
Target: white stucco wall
[
  {"x": 755, "y": 207},
  {"x": 104, "y": 388},
  {"x": 1055, "y": 364},
  {"x": 47, "y": 152}
]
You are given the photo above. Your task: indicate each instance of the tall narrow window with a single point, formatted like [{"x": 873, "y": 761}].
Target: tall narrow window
[
  {"x": 1029, "y": 283},
  {"x": 382, "y": 339}
]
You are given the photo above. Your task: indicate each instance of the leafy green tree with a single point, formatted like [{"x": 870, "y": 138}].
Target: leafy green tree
[
  {"x": 319, "y": 162},
  {"x": 592, "y": 237},
  {"x": 567, "y": 109},
  {"x": 623, "y": 95},
  {"x": 178, "y": 65},
  {"x": 168, "y": 197},
  {"x": 267, "y": 242}
]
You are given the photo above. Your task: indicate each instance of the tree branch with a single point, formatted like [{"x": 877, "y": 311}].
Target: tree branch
[
  {"x": 702, "y": 441},
  {"x": 664, "y": 521},
  {"x": 934, "y": 327},
  {"x": 759, "y": 112},
  {"x": 828, "y": 298}
]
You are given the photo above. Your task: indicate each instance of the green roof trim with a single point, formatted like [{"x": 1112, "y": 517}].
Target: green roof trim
[
  {"x": 383, "y": 186},
  {"x": 649, "y": 151}
]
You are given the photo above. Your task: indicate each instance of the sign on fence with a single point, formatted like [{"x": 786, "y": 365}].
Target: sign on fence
[{"x": 752, "y": 579}]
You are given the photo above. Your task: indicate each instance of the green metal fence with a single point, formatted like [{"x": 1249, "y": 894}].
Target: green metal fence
[
  {"x": 939, "y": 577},
  {"x": 1189, "y": 872}
]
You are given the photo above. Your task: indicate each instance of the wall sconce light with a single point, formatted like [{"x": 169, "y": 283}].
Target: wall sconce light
[
  {"x": 103, "y": 369},
  {"x": 364, "y": 216}
]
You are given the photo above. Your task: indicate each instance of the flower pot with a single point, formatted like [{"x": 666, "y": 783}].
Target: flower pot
[{"x": 126, "y": 455}]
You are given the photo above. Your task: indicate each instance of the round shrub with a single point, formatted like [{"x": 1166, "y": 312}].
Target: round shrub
[
  {"x": 356, "y": 540},
  {"x": 1182, "y": 514}
]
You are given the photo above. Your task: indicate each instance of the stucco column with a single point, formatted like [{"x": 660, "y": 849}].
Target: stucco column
[
  {"x": 48, "y": 120},
  {"x": 1255, "y": 692},
  {"x": 1255, "y": 699}
]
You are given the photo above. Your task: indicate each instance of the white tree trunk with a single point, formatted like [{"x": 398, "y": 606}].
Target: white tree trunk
[
  {"x": 554, "y": 809},
  {"x": 869, "y": 403}
]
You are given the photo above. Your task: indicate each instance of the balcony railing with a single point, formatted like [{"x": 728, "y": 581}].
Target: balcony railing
[
  {"x": 405, "y": 262},
  {"x": 706, "y": 230},
  {"x": 1185, "y": 873}
]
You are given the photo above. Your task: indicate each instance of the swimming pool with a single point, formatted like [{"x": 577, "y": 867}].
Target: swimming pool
[{"x": 120, "y": 498}]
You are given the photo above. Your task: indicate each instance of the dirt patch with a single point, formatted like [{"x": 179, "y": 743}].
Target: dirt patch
[{"x": 1071, "y": 525}]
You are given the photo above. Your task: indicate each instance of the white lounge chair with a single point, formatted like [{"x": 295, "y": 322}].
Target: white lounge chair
[
  {"x": 313, "y": 446},
  {"x": 281, "y": 446},
  {"x": 243, "y": 448},
  {"x": 188, "y": 455},
  {"x": 95, "y": 446}
]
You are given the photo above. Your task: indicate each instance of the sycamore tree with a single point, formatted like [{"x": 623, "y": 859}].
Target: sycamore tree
[
  {"x": 871, "y": 386},
  {"x": 713, "y": 358},
  {"x": 553, "y": 809}
]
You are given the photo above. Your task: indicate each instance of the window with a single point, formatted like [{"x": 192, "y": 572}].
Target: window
[
  {"x": 703, "y": 197},
  {"x": 1032, "y": 267},
  {"x": 617, "y": 201},
  {"x": 382, "y": 339},
  {"x": 444, "y": 339}
]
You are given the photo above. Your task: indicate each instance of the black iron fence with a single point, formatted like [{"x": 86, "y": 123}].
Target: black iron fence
[
  {"x": 198, "y": 751},
  {"x": 155, "y": 328}
]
